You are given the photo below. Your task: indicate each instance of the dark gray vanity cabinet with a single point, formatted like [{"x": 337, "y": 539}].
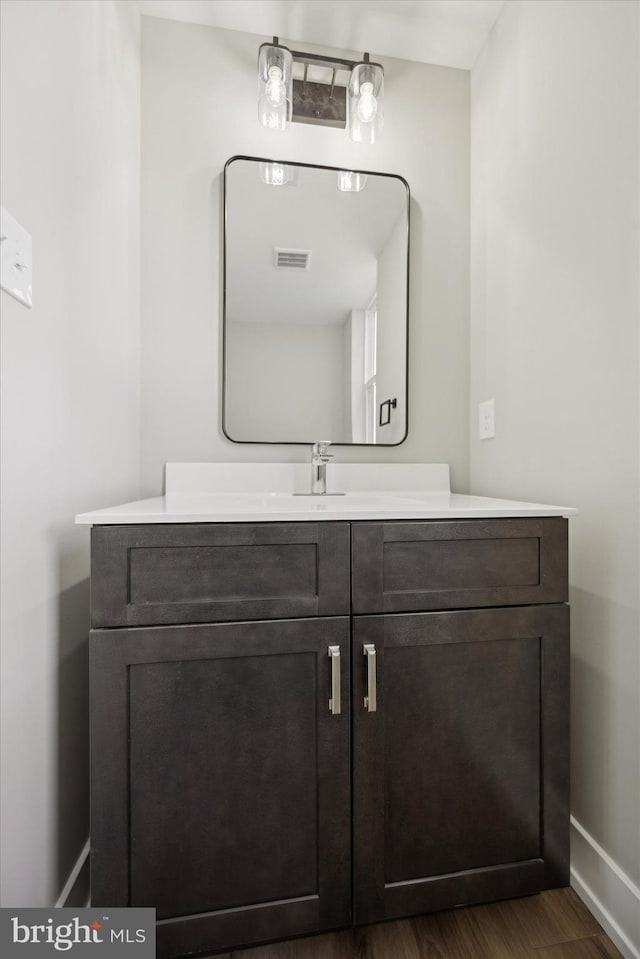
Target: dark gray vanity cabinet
[{"x": 228, "y": 791}]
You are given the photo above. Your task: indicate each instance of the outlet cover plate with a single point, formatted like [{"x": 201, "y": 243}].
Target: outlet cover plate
[{"x": 486, "y": 420}]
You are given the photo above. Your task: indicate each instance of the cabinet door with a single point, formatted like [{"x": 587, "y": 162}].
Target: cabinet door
[
  {"x": 461, "y": 773},
  {"x": 221, "y": 779}
]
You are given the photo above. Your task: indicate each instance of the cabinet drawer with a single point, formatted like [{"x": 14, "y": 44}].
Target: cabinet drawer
[
  {"x": 166, "y": 574},
  {"x": 405, "y": 567}
]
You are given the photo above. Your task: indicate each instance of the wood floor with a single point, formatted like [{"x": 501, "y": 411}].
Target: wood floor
[{"x": 553, "y": 925}]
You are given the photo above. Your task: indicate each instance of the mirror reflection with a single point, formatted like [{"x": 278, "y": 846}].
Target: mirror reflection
[{"x": 316, "y": 293}]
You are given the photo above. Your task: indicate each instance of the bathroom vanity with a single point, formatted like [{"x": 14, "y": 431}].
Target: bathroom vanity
[{"x": 311, "y": 714}]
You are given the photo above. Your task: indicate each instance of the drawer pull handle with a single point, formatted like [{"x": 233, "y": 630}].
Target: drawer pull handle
[
  {"x": 335, "y": 705},
  {"x": 371, "y": 699}
]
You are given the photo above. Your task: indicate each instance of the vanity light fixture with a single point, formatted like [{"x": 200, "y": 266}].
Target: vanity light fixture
[
  {"x": 326, "y": 90},
  {"x": 351, "y": 182}
]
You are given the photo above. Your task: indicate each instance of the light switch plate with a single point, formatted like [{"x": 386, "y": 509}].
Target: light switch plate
[
  {"x": 15, "y": 259},
  {"x": 486, "y": 420}
]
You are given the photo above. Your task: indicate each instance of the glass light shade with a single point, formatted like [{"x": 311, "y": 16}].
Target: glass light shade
[
  {"x": 366, "y": 107},
  {"x": 275, "y": 86},
  {"x": 275, "y": 174},
  {"x": 350, "y": 182}
]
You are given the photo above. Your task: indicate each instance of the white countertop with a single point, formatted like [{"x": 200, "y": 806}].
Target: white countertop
[{"x": 258, "y": 493}]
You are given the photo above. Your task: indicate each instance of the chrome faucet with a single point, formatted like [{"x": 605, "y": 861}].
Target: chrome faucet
[{"x": 320, "y": 456}]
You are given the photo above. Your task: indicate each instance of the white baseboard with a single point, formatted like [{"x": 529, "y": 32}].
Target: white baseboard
[
  {"x": 606, "y": 890},
  {"x": 81, "y": 863}
]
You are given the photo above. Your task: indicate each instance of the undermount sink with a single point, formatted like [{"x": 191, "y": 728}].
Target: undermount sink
[
  {"x": 349, "y": 500},
  {"x": 291, "y": 502}
]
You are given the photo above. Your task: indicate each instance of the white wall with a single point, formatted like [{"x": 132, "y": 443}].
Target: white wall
[
  {"x": 283, "y": 376},
  {"x": 199, "y": 107},
  {"x": 554, "y": 339},
  {"x": 70, "y": 174}
]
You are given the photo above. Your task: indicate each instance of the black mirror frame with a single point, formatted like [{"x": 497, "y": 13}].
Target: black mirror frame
[{"x": 314, "y": 166}]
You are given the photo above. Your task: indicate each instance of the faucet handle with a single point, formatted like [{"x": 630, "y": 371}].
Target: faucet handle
[{"x": 321, "y": 449}]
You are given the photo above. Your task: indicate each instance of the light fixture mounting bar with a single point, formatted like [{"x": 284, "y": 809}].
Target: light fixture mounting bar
[{"x": 324, "y": 61}]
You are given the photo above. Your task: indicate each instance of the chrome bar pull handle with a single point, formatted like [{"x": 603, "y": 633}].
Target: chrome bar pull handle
[
  {"x": 335, "y": 705},
  {"x": 371, "y": 699}
]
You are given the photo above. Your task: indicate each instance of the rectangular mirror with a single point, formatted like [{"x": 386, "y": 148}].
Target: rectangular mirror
[{"x": 316, "y": 288}]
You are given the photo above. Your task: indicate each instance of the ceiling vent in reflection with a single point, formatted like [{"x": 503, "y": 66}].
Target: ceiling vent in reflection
[{"x": 291, "y": 259}]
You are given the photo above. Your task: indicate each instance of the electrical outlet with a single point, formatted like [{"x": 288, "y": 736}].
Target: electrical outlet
[
  {"x": 486, "y": 420},
  {"x": 15, "y": 259}
]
